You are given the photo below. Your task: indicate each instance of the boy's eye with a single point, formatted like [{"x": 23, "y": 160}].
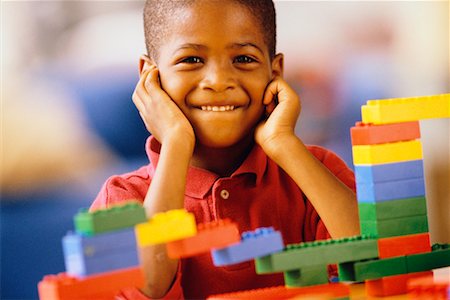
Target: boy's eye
[
  {"x": 191, "y": 60},
  {"x": 244, "y": 59}
]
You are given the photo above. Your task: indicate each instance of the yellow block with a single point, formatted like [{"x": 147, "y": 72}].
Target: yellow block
[
  {"x": 406, "y": 109},
  {"x": 387, "y": 153},
  {"x": 165, "y": 227}
]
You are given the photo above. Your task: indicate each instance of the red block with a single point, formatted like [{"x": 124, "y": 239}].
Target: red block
[
  {"x": 217, "y": 234},
  {"x": 368, "y": 134},
  {"x": 427, "y": 287},
  {"x": 404, "y": 245},
  {"x": 101, "y": 286},
  {"x": 391, "y": 285},
  {"x": 331, "y": 290}
]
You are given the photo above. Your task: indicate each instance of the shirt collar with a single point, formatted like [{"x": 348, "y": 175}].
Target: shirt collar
[{"x": 200, "y": 181}]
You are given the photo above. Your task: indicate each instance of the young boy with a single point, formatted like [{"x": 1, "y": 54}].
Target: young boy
[{"x": 223, "y": 144}]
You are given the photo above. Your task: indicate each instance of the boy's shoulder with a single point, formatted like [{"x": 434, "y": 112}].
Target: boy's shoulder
[{"x": 124, "y": 187}]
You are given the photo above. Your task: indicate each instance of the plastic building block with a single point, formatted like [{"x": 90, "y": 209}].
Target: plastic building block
[
  {"x": 100, "y": 287},
  {"x": 387, "y": 153},
  {"x": 428, "y": 287},
  {"x": 391, "y": 285},
  {"x": 406, "y": 109},
  {"x": 374, "y": 211},
  {"x": 368, "y": 134},
  {"x": 298, "y": 256},
  {"x": 383, "y": 191},
  {"x": 372, "y": 269},
  {"x": 306, "y": 276},
  {"x": 404, "y": 245},
  {"x": 331, "y": 290},
  {"x": 165, "y": 227},
  {"x": 389, "y": 172},
  {"x": 395, "y": 227},
  {"x": 217, "y": 234},
  {"x": 115, "y": 218},
  {"x": 438, "y": 258},
  {"x": 262, "y": 241},
  {"x": 87, "y": 255}
]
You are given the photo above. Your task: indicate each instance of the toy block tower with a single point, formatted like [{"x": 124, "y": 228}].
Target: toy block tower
[
  {"x": 390, "y": 184},
  {"x": 100, "y": 257}
]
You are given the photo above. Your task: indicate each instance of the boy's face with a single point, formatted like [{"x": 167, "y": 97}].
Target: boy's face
[{"x": 216, "y": 66}]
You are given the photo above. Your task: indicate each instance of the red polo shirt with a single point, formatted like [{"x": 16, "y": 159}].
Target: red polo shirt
[{"x": 258, "y": 194}]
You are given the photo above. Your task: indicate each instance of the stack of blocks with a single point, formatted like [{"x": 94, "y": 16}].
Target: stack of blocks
[
  {"x": 390, "y": 185},
  {"x": 100, "y": 257}
]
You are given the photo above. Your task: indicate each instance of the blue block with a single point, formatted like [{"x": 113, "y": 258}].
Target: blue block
[
  {"x": 389, "y": 172},
  {"x": 263, "y": 241},
  {"x": 384, "y": 191},
  {"x": 87, "y": 255}
]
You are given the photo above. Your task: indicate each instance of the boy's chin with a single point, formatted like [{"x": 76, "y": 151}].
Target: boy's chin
[{"x": 221, "y": 141}]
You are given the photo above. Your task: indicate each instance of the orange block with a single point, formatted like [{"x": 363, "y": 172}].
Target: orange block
[
  {"x": 404, "y": 245},
  {"x": 217, "y": 234},
  {"x": 391, "y": 285},
  {"x": 427, "y": 287},
  {"x": 368, "y": 134},
  {"x": 99, "y": 287},
  {"x": 332, "y": 290}
]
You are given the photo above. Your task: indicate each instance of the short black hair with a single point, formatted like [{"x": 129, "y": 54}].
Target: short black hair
[{"x": 158, "y": 12}]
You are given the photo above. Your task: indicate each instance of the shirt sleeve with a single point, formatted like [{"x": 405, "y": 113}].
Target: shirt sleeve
[
  {"x": 120, "y": 188},
  {"x": 174, "y": 293}
]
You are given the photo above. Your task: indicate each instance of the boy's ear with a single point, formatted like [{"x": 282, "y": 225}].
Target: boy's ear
[
  {"x": 144, "y": 63},
  {"x": 278, "y": 65}
]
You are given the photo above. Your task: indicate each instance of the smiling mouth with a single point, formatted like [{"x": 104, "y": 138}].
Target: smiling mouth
[{"x": 218, "y": 108}]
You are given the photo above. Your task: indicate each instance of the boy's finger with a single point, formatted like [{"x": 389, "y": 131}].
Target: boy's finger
[
  {"x": 270, "y": 108},
  {"x": 137, "y": 100},
  {"x": 140, "y": 86},
  {"x": 152, "y": 79},
  {"x": 271, "y": 91}
]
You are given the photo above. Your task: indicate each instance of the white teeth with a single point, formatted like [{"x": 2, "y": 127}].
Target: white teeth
[{"x": 218, "y": 108}]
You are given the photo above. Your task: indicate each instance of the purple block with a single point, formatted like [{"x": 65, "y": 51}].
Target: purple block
[
  {"x": 385, "y": 191},
  {"x": 88, "y": 255},
  {"x": 263, "y": 241}
]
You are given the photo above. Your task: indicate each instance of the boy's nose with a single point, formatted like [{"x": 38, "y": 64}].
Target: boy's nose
[{"x": 218, "y": 77}]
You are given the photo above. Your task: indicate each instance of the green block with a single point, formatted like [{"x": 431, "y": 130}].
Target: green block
[
  {"x": 395, "y": 227},
  {"x": 346, "y": 271},
  {"x": 297, "y": 256},
  {"x": 372, "y": 269},
  {"x": 380, "y": 268},
  {"x": 114, "y": 218},
  {"x": 374, "y": 211},
  {"x": 306, "y": 276},
  {"x": 438, "y": 258}
]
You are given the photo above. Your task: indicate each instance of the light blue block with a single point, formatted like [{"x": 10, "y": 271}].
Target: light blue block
[
  {"x": 261, "y": 242},
  {"x": 384, "y": 191},
  {"x": 87, "y": 255},
  {"x": 389, "y": 172}
]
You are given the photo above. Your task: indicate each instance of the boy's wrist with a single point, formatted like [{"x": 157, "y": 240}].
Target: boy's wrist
[
  {"x": 277, "y": 147},
  {"x": 181, "y": 143}
]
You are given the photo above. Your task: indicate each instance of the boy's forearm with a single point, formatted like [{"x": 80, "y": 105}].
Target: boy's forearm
[
  {"x": 334, "y": 201},
  {"x": 166, "y": 192},
  {"x": 168, "y": 185}
]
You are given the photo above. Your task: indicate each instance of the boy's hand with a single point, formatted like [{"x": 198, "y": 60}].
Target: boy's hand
[
  {"x": 282, "y": 116},
  {"x": 162, "y": 117}
]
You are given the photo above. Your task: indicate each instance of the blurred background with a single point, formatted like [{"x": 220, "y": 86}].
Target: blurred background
[{"x": 68, "y": 70}]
